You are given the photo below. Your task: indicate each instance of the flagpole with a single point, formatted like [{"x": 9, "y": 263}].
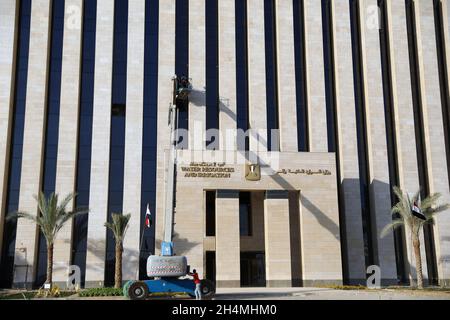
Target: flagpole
[{"x": 140, "y": 248}]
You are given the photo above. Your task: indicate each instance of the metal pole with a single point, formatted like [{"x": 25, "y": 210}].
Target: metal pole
[{"x": 169, "y": 210}]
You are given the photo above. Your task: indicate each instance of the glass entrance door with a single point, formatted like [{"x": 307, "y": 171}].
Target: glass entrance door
[{"x": 253, "y": 270}]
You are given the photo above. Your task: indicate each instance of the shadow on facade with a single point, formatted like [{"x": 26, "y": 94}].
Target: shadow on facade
[{"x": 352, "y": 259}]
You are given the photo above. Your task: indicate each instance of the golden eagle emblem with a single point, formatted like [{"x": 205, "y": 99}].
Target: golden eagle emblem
[{"x": 253, "y": 172}]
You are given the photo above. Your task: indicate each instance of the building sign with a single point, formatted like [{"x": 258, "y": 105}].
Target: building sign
[
  {"x": 307, "y": 172},
  {"x": 212, "y": 170}
]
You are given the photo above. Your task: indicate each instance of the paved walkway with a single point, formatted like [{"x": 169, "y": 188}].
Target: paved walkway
[
  {"x": 327, "y": 294},
  {"x": 304, "y": 294}
]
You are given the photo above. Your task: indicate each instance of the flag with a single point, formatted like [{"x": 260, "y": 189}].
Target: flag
[
  {"x": 148, "y": 217},
  {"x": 417, "y": 212}
]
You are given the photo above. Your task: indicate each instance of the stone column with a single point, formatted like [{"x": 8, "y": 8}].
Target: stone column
[
  {"x": 101, "y": 132},
  {"x": 286, "y": 76},
  {"x": 348, "y": 144},
  {"x": 257, "y": 75},
  {"x": 33, "y": 142},
  {"x": 446, "y": 26},
  {"x": 446, "y": 23},
  {"x": 277, "y": 239},
  {"x": 227, "y": 75},
  {"x": 404, "y": 116},
  {"x": 133, "y": 137},
  {"x": 166, "y": 70},
  {"x": 8, "y": 34},
  {"x": 320, "y": 232},
  {"x": 197, "y": 71},
  {"x": 228, "y": 258},
  {"x": 189, "y": 230},
  {"x": 68, "y": 130},
  {"x": 317, "y": 112},
  {"x": 434, "y": 131},
  {"x": 376, "y": 140}
]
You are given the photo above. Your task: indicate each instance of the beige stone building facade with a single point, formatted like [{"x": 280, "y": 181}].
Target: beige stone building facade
[{"x": 303, "y": 115}]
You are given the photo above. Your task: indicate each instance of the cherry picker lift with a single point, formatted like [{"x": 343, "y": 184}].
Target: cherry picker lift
[{"x": 168, "y": 270}]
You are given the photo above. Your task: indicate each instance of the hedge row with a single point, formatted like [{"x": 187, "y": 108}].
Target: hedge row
[{"x": 101, "y": 292}]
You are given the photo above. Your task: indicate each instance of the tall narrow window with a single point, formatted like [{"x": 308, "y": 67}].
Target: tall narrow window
[
  {"x": 333, "y": 141},
  {"x": 118, "y": 111},
  {"x": 361, "y": 131},
  {"x": 330, "y": 91},
  {"x": 271, "y": 75},
  {"x": 420, "y": 135},
  {"x": 242, "y": 72},
  {"x": 443, "y": 74},
  {"x": 391, "y": 138},
  {"x": 210, "y": 218},
  {"x": 245, "y": 214},
  {"x": 212, "y": 72},
  {"x": 15, "y": 154},
  {"x": 148, "y": 193},
  {"x": 52, "y": 124},
  {"x": 182, "y": 62},
  {"x": 300, "y": 76},
  {"x": 80, "y": 226}
]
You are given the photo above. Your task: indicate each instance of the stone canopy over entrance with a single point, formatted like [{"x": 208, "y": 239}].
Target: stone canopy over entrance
[{"x": 284, "y": 187}]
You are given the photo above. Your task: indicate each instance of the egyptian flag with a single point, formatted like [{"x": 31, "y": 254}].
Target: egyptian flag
[
  {"x": 417, "y": 212},
  {"x": 148, "y": 218}
]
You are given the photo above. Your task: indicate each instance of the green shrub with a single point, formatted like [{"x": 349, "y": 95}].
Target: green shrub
[
  {"x": 101, "y": 292},
  {"x": 19, "y": 296},
  {"x": 27, "y": 295},
  {"x": 54, "y": 292},
  {"x": 344, "y": 287}
]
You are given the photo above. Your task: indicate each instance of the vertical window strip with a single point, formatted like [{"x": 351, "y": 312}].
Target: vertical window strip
[
  {"x": 16, "y": 149},
  {"x": 210, "y": 218},
  {"x": 443, "y": 74},
  {"x": 391, "y": 138},
  {"x": 420, "y": 135},
  {"x": 242, "y": 72},
  {"x": 332, "y": 127},
  {"x": 245, "y": 214},
  {"x": 329, "y": 75},
  {"x": 361, "y": 130},
  {"x": 182, "y": 62},
  {"x": 52, "y": 124},
  {"x": 212, "y": 71},
  {"x": 271, "y": 75},
  {"x": 300, "y": 76},
  {"x": 150, "y": 126},
  {"x": 117, "y": 146},
  {"x": 83, "y": 171}
]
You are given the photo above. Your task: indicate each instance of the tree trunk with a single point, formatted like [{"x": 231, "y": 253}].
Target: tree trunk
[
  {"x": 417, "y": 254},
  {"x": 49, "y": 264},
  {"x": 118, "y": 273}
]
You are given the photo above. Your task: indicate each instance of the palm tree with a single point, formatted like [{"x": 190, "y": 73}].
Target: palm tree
[
  {"x": 403, "y": 216},
  {"x": 118, "y": 226},
  {"x": 53, "y": 216}
]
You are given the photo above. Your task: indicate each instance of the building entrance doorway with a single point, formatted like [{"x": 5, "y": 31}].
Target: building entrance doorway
[{"x": 253, "y": 270}]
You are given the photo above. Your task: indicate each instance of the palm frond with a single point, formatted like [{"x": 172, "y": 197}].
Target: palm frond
[
  {"x": 63, "y": 217},
  {"x": 118, "y": 225},
  {"x": 391, "y": 227},
  {"x": 398, "y": 192},
  {"x": 429, "y": 201},
  {"x": 53, "y": 215},
  {"x": 16, "y": 215},
  {"x": 430, "y": 213},
  {"x": 62, "y": 207},
  {"x": 402, "y": 209}
]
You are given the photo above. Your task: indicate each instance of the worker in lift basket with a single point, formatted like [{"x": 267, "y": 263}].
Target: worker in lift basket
[{"x": 196, "y": 279}]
